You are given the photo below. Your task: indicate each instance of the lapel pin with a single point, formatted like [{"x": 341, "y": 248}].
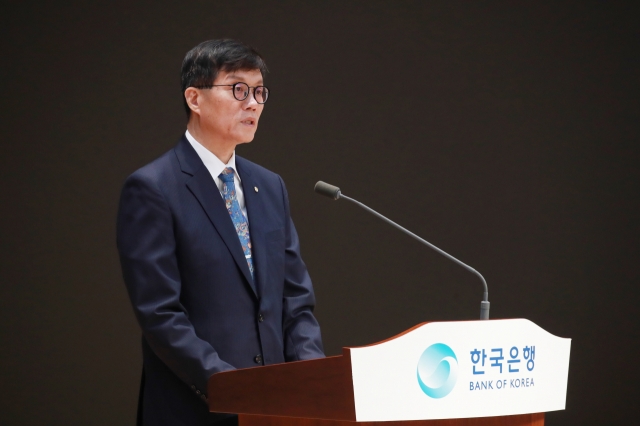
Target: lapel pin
[{"x": 256, "y": 188}]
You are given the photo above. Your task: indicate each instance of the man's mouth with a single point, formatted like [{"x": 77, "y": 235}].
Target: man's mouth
[{"x": 249, "y": 122}]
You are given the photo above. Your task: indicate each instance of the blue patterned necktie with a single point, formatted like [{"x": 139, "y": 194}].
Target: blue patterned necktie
[{"x": 238, "y": 219}]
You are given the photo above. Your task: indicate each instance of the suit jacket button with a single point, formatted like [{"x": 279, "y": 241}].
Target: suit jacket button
[
  {"x": 260, "y": 318},
  {"x": 193, "y": 387},
  {"x": 198, "y": 392},
  {"x": 258, "y": 359}
]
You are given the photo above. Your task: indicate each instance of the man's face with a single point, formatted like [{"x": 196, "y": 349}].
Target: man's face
[{"x": 223, "y": 117}]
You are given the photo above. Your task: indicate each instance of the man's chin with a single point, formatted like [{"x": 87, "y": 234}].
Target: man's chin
[{"x": 247, "y": 139}]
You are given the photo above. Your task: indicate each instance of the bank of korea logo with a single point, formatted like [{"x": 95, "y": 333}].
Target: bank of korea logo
[{"x": 437, "y": 370}]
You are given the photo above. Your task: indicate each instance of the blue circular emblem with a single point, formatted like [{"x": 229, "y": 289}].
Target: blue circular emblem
[{"x": 437, "y": 370}]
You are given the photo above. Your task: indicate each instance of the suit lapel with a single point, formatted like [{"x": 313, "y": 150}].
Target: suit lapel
[{"x": 203, "y": 187}]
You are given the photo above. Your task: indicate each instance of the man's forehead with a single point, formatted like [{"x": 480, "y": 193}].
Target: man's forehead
[{"x": 253, "y": 76}]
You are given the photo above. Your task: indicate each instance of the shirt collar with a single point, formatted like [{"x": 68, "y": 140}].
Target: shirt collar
[{"x": 211, "y": 162}]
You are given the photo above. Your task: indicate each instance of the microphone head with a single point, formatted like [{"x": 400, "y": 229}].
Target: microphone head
[{"x": 327, "y": 190}]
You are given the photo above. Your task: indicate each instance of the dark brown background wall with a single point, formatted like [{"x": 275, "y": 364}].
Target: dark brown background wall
[{"x": 504, "y": 132}]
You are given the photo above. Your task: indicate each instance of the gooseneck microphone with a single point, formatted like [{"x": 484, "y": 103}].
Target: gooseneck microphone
[{"x": 333, "y": 192}]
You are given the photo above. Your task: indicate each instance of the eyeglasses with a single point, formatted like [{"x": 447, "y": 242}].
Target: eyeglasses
[{"x": 241, "y": 91}]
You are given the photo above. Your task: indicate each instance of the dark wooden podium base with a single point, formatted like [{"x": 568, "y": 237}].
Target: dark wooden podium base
[{"x": 536, "y": 419}]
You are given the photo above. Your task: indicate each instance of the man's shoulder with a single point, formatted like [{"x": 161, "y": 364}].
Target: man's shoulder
[
  {"x": 256, "y": 170},
  {"x": 156, "y": 173},
  {"x": 165, "y": 167}
]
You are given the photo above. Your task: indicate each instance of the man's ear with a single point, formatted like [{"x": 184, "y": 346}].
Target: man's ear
[{"x": 192, "y": 96}]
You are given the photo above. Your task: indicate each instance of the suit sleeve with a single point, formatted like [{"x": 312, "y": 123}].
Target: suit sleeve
[
  {"x": 147, "y": 248},
  {"x": 302, "y": 339}
]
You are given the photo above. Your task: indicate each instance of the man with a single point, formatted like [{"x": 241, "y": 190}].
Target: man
[{"x": 208, "y": 250}]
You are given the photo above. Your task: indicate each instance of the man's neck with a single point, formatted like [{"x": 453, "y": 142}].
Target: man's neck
[{"x": 222, "y": 150}]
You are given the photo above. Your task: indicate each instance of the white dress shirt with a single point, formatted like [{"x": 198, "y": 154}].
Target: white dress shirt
[{"x": 216, "y": 166}]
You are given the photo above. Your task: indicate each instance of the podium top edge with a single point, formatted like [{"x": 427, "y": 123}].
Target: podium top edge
[{"x": 423, "y": 324}]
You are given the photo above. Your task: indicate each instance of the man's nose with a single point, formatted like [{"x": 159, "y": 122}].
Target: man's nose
[{"x": 250, "y": 102}]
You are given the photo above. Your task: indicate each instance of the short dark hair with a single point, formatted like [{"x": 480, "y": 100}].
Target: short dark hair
[{"x": 201, "y": 65}]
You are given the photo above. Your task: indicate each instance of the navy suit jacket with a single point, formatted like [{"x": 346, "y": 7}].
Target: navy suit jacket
[{"x": 200, "y": 310}]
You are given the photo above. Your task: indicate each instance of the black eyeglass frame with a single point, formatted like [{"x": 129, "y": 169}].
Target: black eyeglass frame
[{"x": 234, "y": 90}]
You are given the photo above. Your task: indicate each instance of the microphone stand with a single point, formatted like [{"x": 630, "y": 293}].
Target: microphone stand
[{"x": 334, "y": 192}]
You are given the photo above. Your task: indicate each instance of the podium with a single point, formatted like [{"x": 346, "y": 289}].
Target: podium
[{"x": 466, "y": 373}]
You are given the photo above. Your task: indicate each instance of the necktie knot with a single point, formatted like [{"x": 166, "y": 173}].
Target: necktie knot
[{"x": 227, "y": 175}]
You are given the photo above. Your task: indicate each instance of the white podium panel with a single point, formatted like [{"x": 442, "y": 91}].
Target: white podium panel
[{"x": 461, "y": 369}]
